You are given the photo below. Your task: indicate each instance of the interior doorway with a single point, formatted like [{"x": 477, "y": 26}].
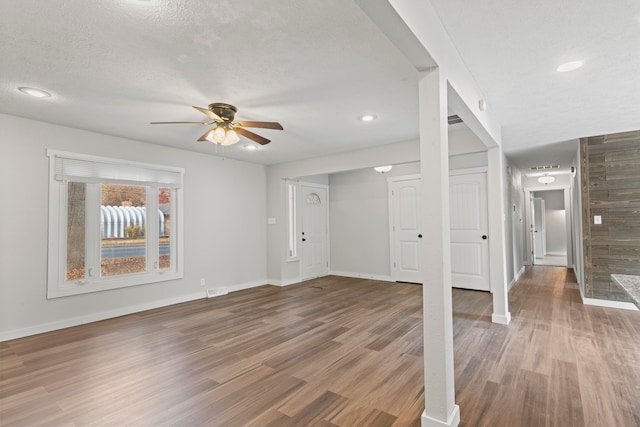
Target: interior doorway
[{"x": 549, "y": 227}]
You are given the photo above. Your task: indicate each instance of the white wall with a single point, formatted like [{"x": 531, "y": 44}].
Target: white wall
[
  {"x": 281, "y": 272},
  {"x": 555, "y": 221},
  {"x": 224, "y": 227},
  {"x": 359, "y": 217}
]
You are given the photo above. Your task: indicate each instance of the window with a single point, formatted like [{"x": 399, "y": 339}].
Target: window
[{"x": 112, "y": 223}]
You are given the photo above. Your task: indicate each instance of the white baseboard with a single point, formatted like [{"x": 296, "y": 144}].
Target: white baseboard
[
  {"x": 515, "y": 279},
  {"x": 109, "y": 314},
  {"x": 453, "y": 421},
  {"x": 284, "y": 282},
  {"x": 500, "y": 319},
  {"x": 95, "y": 317},
  {"x": 608, "y": 303},
  {"x": 247, "y": 285},
  {"x": 361, "y": 276}
]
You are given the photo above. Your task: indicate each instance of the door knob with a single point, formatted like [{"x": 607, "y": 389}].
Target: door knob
[
  {"x": 484, "y": 237},
  {"x": 419, "y": 236}
]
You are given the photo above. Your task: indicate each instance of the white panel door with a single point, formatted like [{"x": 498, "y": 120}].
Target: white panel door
[
  {"x": 314, "y": 232},
  {"x": 406, "y": 237},
  {"x": 469, "y": 231}
]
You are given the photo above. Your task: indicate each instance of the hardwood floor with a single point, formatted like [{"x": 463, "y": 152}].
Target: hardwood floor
[{"x": 331, "y": 352}]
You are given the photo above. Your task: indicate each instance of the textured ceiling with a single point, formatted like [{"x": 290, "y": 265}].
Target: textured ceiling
[{"x": 315, "y": 67}]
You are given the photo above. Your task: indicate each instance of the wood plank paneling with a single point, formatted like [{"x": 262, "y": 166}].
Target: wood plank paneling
[{"x": 610, "y": 189}]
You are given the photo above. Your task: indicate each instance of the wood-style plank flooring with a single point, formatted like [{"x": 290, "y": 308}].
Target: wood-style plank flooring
[{"x": 331, "y": 352}]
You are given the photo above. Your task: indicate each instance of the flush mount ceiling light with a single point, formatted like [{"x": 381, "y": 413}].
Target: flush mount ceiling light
[
  {"x": 35, "y": 92},
  {"x": 368, "y": 117},
  {"x": 383, "y": 169},
  {"x": 569, "y": 66},
  {"x": 546, "y": 179}
]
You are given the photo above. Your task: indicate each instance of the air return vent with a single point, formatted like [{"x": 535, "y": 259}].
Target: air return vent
[
  {"x": 454, "y": 119},
  {"x": 542, "y": 168}
]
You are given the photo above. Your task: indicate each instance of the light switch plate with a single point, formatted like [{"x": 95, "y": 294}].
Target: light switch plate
[{"x": 597, "y": 219}]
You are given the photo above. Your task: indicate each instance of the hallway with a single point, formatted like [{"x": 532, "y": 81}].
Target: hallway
[{"x": 559, "y": 363}]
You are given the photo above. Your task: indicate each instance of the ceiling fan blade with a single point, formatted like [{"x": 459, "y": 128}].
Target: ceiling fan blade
[
  {"x": 205, "y": 136},
  {"x": 253, "y": 136},
  {"x": 265, "y": 125},
  {"x": 208, "y": 113},
  {"x": 181, "y": 123}
]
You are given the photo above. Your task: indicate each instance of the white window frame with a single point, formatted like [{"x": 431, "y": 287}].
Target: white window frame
[{"x": 65, "y": 167}]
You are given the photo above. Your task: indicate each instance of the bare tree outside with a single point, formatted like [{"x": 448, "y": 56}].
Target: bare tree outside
[{"x": 76, "y": 192}]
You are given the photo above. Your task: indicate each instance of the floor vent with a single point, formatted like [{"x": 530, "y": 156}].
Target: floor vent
[{"x": 216, "y": 292}]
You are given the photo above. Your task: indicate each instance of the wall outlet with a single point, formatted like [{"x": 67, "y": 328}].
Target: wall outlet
[
  {"x": 215, "y": 292},
  {"x": 202, "y": 282}
]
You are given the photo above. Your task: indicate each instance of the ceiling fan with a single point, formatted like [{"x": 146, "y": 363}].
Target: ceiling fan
[{"x": 225, "y": 130}]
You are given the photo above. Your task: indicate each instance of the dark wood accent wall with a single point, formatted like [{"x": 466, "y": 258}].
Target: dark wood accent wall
[{"x": 610, "y": 167}]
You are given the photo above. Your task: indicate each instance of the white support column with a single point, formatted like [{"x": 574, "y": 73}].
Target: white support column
[
  {"x": 440, "y": 408},
  {"x": 497, "y": 252}
]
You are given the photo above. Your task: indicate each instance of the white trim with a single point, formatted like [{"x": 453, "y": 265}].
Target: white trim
[
  {"x": 607, "y": 303},
  {"x": 469, "y": 171},
  {"x": 361, "y": 276},
  {"x": 452, "y": 421},
  {"x": 500, "y": 319},
  {"x": 247, "y": 285},
  {"x": 101, "y": 159},
  {"x": 283, "y": 283},
  {"x": 404, "y": 178},
  {"x": 96, "y": 317},
  {"x": 515, "y": 279}
]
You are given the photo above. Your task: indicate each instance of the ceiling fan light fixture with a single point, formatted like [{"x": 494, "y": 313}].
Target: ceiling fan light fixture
[
  {"x": 219, "y": 134},
  {"x": 232, "y": 137}
]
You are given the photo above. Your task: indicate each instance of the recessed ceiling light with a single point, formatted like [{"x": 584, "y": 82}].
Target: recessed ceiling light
[
  {"x": 250, "y": 147},
  {"x": 32, "y": 91},
  {"x": 569, "y": 66},
  {"x": 368, "y": 117}
]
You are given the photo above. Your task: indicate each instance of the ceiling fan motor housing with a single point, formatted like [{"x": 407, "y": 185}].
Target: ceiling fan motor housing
[{"x": 227, "y": 112}]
